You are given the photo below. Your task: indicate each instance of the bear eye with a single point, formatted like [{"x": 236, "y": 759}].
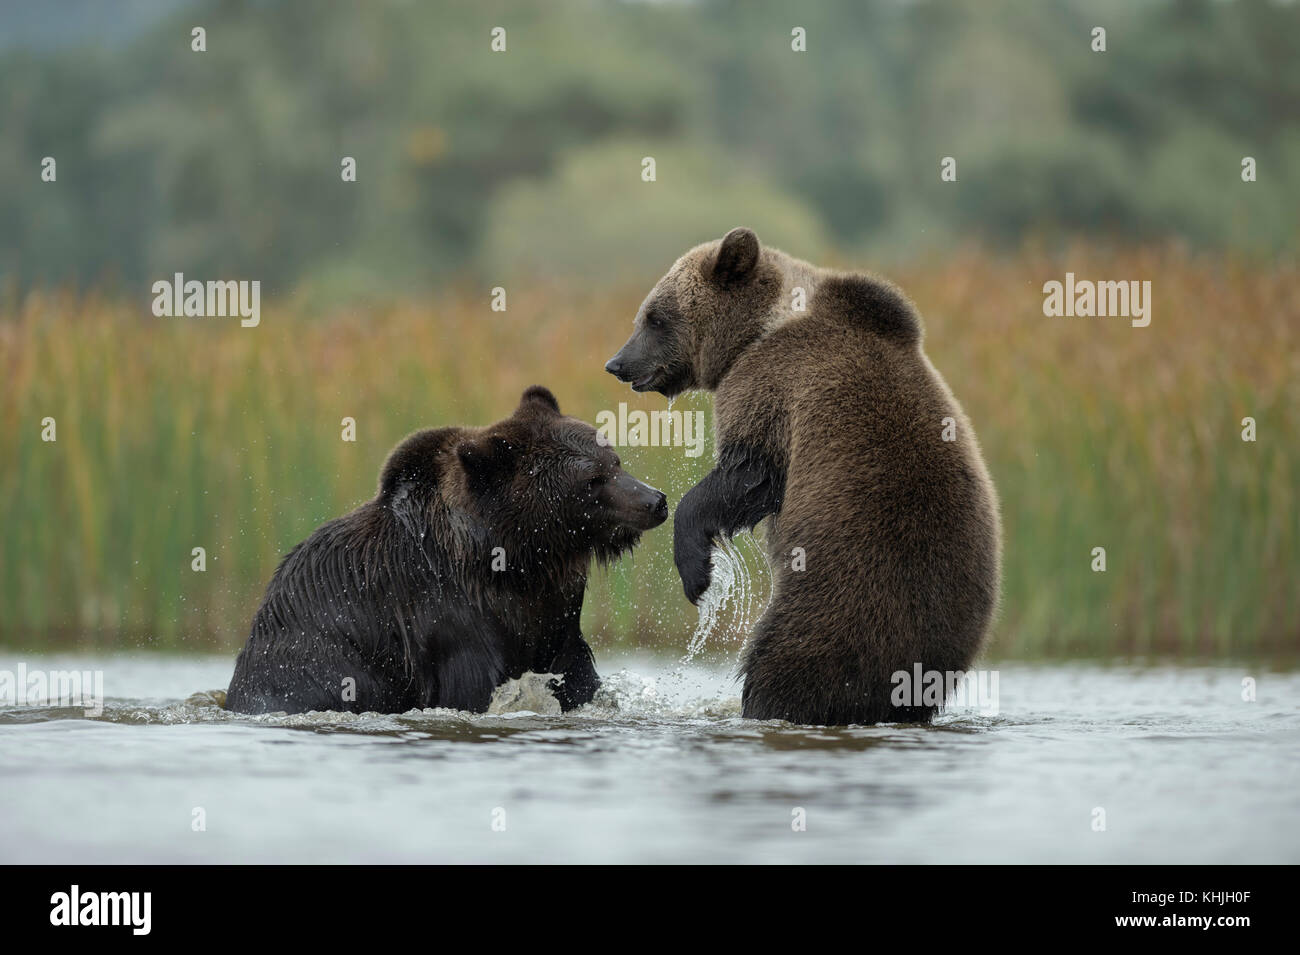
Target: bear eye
[{"x": 652, "y": 320}]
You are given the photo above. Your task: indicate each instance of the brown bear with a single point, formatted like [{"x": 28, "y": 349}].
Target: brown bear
[
  {"x": 467, "y": 569},
  {"x": 883, "y": 528}
]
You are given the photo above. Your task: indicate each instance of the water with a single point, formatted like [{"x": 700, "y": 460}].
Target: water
[
  {"x": 661, "y": 768},
  {"x": 732, "y": 584},
  {"x": 728, "y": 584}
]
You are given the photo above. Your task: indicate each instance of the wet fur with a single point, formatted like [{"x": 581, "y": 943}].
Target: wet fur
[
  {"x": 829, "y": 425},
  {"x": 399, "y": 595}
]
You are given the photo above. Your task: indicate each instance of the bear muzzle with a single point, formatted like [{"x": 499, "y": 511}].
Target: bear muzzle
[
  {"x": 633, "y": 375},
  {"x": 639, "y": 505}
]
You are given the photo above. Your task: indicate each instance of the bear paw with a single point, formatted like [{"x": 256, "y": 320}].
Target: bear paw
[{"x": 695, "y": 567}]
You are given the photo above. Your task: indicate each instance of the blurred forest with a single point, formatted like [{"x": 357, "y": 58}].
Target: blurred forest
[
  {"x": 481, "y": 166},
  {"x": 522, "y": 170}
]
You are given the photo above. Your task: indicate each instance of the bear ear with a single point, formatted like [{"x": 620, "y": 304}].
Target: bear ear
[
  {"x": 538, "y": 397},
  {"x": 737, "y": 255},
  {"x": 486, "y": 460},
  {"x": 415, "y": 463}
]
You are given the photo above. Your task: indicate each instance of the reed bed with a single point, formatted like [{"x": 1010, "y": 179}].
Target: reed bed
[{"x": 174, "y": 434}]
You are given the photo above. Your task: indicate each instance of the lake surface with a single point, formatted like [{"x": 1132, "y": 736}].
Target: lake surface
[{"x": 661, "y": 768}]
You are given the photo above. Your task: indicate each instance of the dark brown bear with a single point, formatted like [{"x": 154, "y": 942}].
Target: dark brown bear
[
  {"x": 832, "y": 422},
  {"x": 466, "y": 570}
]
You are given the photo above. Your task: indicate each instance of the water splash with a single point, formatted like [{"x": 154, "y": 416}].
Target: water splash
[
  {"x": 730, "y": 585},
  {"x": 626, "y": 697},
  {"x": 531, "y": 693},
  {"x": 679, "y": 693}
]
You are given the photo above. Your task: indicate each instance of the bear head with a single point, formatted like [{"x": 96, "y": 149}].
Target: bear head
[
  {"x": 540, "y": 484},
  {"x": 713, "y": 303}
]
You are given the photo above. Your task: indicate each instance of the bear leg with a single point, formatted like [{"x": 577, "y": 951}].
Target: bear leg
[
  {"x": 577, "y": 665},
  {"x": 796, "y": 675}
]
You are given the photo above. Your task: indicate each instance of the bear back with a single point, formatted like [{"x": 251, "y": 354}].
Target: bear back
[{"x": 869, "y": 303}]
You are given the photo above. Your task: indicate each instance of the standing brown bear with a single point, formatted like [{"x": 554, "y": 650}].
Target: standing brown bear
[
  {"x": 467, "y": 569},
  {"x": 884, "y": 533}
]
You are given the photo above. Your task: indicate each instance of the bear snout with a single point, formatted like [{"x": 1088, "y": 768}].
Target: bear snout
[
  {"x": 633, "y": 371},
  {"x": 637, "y": 504},
  {"x": 652, "y": 508}
]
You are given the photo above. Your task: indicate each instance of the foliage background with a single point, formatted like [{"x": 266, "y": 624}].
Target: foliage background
[{"x": 523, "y": 170}]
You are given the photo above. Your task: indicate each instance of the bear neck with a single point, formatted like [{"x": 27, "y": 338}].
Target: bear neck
[
  {"x": 795, "y": 274},
  {"x": 533, "y": 601},
  {"x": 774, "y": 301},
  {"x": 535, "y": 573},
  {"x": 539, "y": 588}
]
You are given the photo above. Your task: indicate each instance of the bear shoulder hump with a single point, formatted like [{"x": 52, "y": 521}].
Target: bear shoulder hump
[
  {"x": 417, "y": 459},
  {"x": 869, "y": 303}
]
